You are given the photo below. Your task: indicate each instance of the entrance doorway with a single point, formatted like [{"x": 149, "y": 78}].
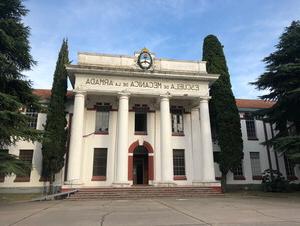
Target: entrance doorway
[{"x": 140, "y": 166}]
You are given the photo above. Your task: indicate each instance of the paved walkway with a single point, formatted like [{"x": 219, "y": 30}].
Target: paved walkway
[{"x": 228, "y": 210}]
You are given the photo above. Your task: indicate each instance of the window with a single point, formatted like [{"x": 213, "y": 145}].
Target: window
[
  {"x": 177, "y": 120},
  {"x": 255, "y": 165},
  {"x": 140, "y": 121},
  {"x": 289, "y": 168},
  {"x": 178, "y": 164},
  {"x": 100, "y": 163},
  {"x": 250, "y": 126},
  {"x": 2, "y": 176},
  {"x": 33, "y": 115},
  {"x": 102, "y": 117},
  {"x": 25, "y": 155},
  {"x": 238, "y": 173},
  {"x": 216, "y": 156}
]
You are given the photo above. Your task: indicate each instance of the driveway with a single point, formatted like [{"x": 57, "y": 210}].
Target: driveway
[{"x": 234, "y": 209}]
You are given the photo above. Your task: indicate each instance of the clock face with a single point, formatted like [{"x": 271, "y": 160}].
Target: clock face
[{"x": 145, "y": 60}]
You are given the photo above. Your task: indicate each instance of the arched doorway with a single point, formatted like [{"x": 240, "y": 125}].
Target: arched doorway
[
  {"x": 140, "y": 166},
  {"x": 140, "y": 163}
]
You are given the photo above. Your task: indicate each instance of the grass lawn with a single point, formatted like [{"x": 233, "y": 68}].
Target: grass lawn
[{"x": 13, "y": 197}]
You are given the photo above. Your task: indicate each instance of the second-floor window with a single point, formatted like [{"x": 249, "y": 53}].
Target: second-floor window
[
  {"x": 102, "y": 118},
  {"x": 177, "y": 120},
  {"x": 140, "y": 120},
  {"x": 33, "y": 116},
  {"x": 250, "y": 126}
]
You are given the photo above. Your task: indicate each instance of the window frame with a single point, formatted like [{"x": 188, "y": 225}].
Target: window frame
[
  {"x": 95, "y": 175},
  {"x": 33, "y": 114},
  {"x": 181, "y": 168},
  {"x": 25, "y": 178},
  {"x": 177, "y": 112},
  {"x": 104, "y": 109},
  {"x": 255, "y": 175},
  {"x": 289, "y": 168},
  {"x": 236, "y": 172},
  {"x": 250, "y": 123},
  {"x": 141, "y": 110}
]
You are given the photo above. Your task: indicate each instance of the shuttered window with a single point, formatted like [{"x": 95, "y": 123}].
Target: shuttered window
[
  {"x": 25, "y": 155},
  {"x": 100, "y": 163}
]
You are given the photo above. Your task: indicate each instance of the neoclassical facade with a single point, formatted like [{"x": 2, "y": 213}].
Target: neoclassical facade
[
  {"x": 150, "y": 123},
  {"x": 142, "y": 120}
]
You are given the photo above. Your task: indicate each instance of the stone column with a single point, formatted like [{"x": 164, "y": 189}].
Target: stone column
[
  {"x": 165, "y": 142},
  {"x": 122, "y": 142},
  {"x": 207, "y": 150},
  {"x": 75, "y": 151},
  {"x": 196, "y": 144}
]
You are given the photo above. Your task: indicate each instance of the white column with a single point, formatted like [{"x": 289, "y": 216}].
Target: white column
[
  {"x": 207, "y": 150},
  {"x": 122, "y": 142},
  {"x": 165, "y": 142},
  {"x": 75, "y": 151},
  {"x": 196, "y": 144}
]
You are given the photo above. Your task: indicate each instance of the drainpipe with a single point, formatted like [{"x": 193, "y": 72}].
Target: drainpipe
[
  {"x": 268, "y": 148},
  {"x": 275, "y": 152}
]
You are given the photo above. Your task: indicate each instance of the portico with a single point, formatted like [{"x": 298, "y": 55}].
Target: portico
[{"x": 127, "y": 118}]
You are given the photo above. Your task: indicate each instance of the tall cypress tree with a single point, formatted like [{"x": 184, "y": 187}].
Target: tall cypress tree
[
  {"x": 15, "y": 89},
  {"x": 225, "y": 118},
  {"x": 54, "y": 143}
]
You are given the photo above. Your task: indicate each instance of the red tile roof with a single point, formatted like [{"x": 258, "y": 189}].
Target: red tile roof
[
  {"x": 46, "y": 93},
  {"x": 259, "y": 104},
  {"x": 241, "y": 103}
]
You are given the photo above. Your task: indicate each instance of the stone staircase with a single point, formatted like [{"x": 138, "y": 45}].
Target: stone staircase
[{"x": 141, "y": 192}]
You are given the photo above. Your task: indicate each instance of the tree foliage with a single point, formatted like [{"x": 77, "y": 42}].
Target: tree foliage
[
  {"x": 54, "y": 143},
  {"x": 15, "y": 89},
  {"x": 225, "y": 118},
  {"x": 10, "y": 164},
  {"x": 282, "y": 81}
]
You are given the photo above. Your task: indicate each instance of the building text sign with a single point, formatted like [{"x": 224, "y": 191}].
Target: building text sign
[{"x": 143, "y": 84}]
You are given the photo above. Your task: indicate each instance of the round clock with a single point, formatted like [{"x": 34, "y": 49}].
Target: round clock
[{"x": 145, "y": 59}]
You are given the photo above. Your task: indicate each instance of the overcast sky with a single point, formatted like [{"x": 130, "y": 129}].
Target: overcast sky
[{"x": 174, "y": 29}]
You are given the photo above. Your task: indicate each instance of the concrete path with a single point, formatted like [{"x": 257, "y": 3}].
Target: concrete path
[{"x": 228, "y": 210}]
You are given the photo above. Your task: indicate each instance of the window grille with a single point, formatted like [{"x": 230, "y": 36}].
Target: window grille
[
  {"x": 255, "y": 164},
  {"x": 178, "y": 162},
  {"x": 25, "y": 155},
  {"x": 100, "y": 162},
  {"x": 289, "y": 167},
  {"x": 239, "y": 172},
  {"x": 33, "y": 116},
  {"x": 102, "y": 117},
  {"x": 177, "y": 119},
  {"x": 250, "y": 126}
]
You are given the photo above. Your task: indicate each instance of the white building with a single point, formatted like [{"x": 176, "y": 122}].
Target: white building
[{"x": 144, "y": 120}]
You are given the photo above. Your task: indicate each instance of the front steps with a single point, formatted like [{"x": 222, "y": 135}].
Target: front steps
[{"x": 141, "y": 192}]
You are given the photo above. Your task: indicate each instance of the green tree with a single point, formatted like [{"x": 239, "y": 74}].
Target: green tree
[
  {"x": 282, "y": 81},
  {"x": 225, "y": 120},
  {"x": 54, "y": 143},
  {"x": 15, "y": 90}
]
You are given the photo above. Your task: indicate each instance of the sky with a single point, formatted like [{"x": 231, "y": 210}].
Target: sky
[{"x": 248, "y": 30}]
